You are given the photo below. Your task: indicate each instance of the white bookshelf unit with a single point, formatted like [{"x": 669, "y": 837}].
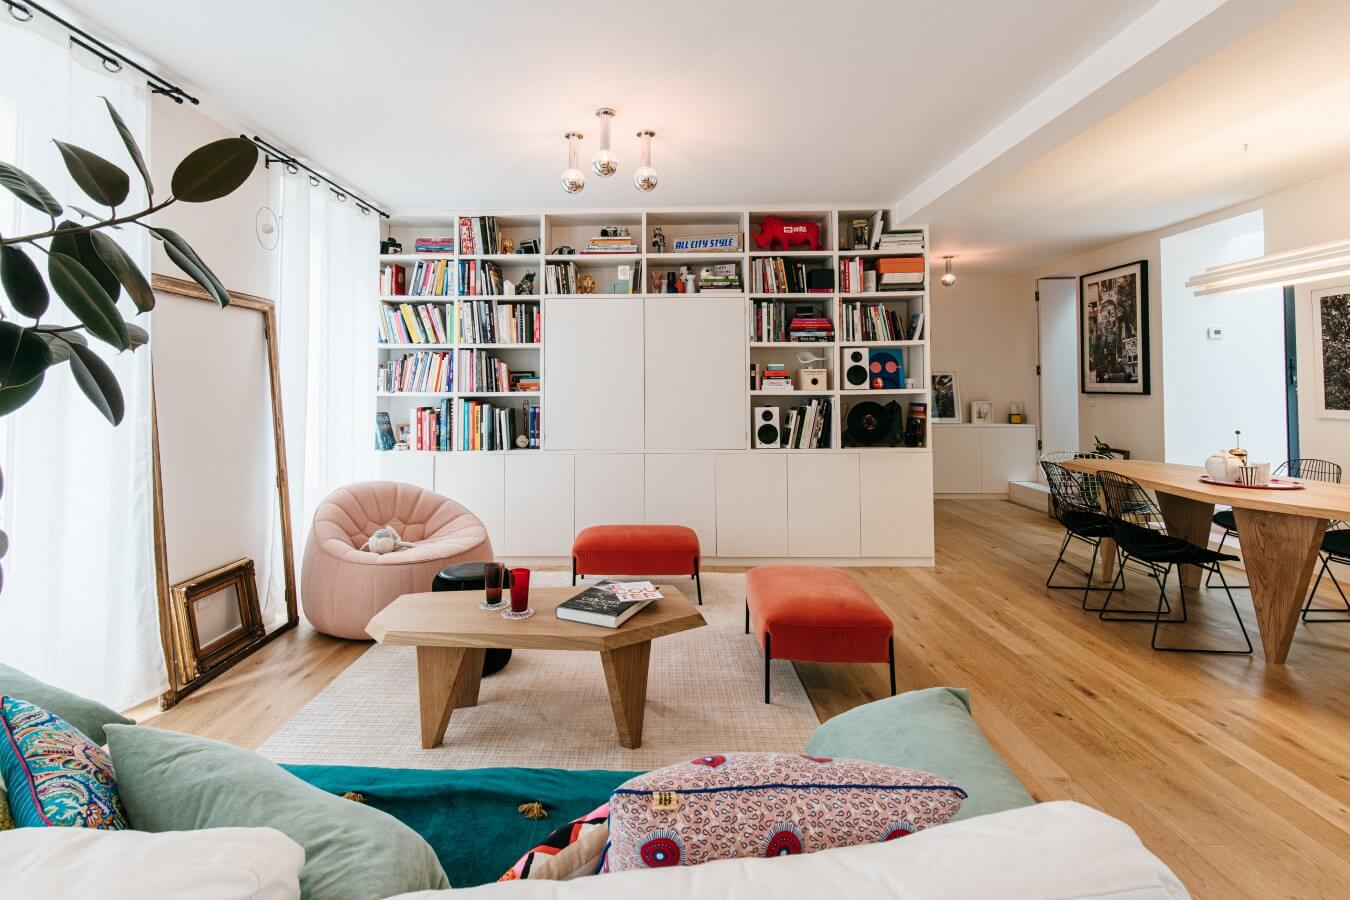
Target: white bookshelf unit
[{"x": 646, "y": 401}]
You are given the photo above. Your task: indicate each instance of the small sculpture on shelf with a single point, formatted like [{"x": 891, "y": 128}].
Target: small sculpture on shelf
[
  {"x": 773, "y": 230},
  {"x": 658, "y": 240},
  {"x": 586, "y": 284},
  {"x": 390, "y": 247},
  {"x": 526, "y": 284},
  {"x": 508, "y": 244}
]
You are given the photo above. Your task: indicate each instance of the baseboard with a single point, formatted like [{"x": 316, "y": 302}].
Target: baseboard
[
  {"x": 1002, "y": 496},
  {"x": 867, "y": 562}
]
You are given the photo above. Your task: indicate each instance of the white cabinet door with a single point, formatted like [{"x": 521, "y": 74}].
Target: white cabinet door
[
  {"x": 752, "y": 504},
  {"x": 1007, "y": 453},
  {"x": 538, "y": 504},
  {"x": 593, "y": 374},
  {"x": 477, "y": 481},
  {"x": 823, "y": 512},
  {"x": 682, "y": 490},
  {"x": 407, "y": 466},
  {"x": 897, "y": 504},
  {"x": 956, "y": 459},
  {"x": 609, "y": 489},
  {"x": 695, "y": 360}
]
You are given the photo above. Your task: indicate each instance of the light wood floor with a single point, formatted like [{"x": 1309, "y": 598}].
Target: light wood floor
[{"x": 1235, "y": 773}]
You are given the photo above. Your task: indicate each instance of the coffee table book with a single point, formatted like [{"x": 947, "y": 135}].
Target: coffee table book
[{"x": 597, "y": 605}]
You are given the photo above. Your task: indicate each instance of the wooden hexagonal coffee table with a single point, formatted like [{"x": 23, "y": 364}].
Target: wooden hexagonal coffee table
[{"x": 450, "y": 633}]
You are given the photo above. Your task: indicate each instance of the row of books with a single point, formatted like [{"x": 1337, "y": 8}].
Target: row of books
[
  {"x": 412, "y": 323},
  {"x": 560, "y": 278},
  {"x": 429, "y": 278},
  {"x": 480, "y": 370},
  {"x": 393, "y": 280},
  {"x": 775, "y": 275},
  {"x": 876, "y": 322},
  {"x": 478, "y": 278},
  {"x": 431, "y": 427},
  {"x": 492, "y": 322},
  {"x": 807, "y": 427},
  {"x": 479, "y": 235},
  {"x": 482, "y": 426},
  {"x": 434, "y": 245},
  {"x": 422, "y": 372}
]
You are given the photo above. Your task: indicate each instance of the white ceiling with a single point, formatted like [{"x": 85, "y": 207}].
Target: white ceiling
[
  {"x": 1176, "y": 153},
  {"x": 444, "y": 105}
]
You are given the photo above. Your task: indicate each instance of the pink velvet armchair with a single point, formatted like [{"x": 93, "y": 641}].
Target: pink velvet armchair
[{"x": 343, "y": 586}]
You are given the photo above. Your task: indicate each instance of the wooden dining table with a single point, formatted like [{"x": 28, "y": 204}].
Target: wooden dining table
[{"x": 1280, "y": 533}]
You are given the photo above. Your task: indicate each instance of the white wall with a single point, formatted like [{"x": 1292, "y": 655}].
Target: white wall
[
  {"x": 984, "y": 329},
  {"x": 1237, "y": 381}
]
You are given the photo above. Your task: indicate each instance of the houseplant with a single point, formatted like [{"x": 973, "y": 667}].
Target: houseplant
[{"x": 90, "y": 273}]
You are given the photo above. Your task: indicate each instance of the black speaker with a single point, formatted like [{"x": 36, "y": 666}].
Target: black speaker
[
  {"x": 821, "y": 279},
  {"x": 768, "y": 432},
  {"x": 870, "y": 424}
]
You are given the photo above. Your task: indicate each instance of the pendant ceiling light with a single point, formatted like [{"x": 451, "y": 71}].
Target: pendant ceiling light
[
  {"x": 573, "y": 179},
  {"x": 948, "y": 279},
  {"x": 645, "y": 178},
  {"x": 604, "y": 163}
]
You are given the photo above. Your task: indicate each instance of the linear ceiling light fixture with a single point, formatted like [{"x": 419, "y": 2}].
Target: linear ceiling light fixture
[{"x": 1316, "y": 263}]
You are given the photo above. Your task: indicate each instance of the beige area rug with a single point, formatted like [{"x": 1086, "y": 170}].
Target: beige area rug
[{"x": 551, "y": 709}]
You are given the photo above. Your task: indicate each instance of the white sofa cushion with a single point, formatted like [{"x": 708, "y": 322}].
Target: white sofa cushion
[
  {"x": 211, "y": 864},
  {"x": 1052, "y": 850}
]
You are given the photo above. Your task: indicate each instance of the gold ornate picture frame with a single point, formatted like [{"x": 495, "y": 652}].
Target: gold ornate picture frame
[{"x": 215, "y": 616}]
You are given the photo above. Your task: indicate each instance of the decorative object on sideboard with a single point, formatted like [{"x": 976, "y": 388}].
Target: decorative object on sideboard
[
  {"x": 946, "y": 398},
  {"x": 214, "y": 616},
  {"x": 658, "y": 240},
  {"x": 1113, "y": 351},
  {"x": 573, "y": 179},
  {"x": 916, "y": 427},
  {"x": 773, "y": 230},
  {"x": 526, "y": 284},
  {"x": 948, "y": 279},
  {"x": 1016, "y": 413},
  {"x": 729, "y": 242},
  {"x": 508, "y": 244},
  {"x": 604, "y": 163},
  {"x": 645, "y": 178},
  {"x": 981, "y": 412},
  {"x": 813, "y": 380},
  {"x": 1331, "y": 347},
  {"x": 586, "y": 284}
]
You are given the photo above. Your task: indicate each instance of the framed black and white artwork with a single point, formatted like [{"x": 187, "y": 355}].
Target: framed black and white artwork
[
  {"x": 1331, "y": 334},
  {"x": 1113, "y": 330}
]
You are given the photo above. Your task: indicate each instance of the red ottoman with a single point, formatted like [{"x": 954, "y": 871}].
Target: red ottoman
[
  {"x": 637, "y": 550},
  {"x": 815, "y": 614}
]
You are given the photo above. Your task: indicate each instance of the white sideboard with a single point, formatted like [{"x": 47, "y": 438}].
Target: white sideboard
[{"x": 981, "y": 459}]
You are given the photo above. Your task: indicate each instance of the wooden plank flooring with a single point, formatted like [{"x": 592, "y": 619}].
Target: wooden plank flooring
[{"x": 1236, "y": 773}]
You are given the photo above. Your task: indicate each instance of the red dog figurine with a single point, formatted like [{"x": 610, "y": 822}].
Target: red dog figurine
[{"x": 773, "y": 230}]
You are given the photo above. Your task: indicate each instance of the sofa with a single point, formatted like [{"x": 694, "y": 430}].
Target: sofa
[{"x": 371, "y": 833}]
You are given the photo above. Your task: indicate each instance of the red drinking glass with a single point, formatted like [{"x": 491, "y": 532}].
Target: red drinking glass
[{"x": 520, "y": 590}]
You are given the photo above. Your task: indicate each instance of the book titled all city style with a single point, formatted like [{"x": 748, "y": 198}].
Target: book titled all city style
[{"x": 608, "y": 603}]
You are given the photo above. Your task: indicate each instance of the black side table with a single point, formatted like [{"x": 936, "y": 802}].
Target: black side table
[{"x": 469, "y": 577}]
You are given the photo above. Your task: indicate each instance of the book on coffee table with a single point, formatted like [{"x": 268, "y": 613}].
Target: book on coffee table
[{"x": 608, "y": 603}]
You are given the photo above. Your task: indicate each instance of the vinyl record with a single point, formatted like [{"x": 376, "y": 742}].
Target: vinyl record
[{"x": 869, "y": 423}]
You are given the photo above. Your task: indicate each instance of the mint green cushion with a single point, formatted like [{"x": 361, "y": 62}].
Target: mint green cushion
[
  {"x": 86, "y": 715},
  {"x": 930, "y": 730},
  {"x": 178, "y": 782}
]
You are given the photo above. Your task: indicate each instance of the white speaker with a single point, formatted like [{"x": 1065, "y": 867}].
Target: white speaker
[
  {"x": 855, "y": 374},
  {"x": 768, "y": 432}
]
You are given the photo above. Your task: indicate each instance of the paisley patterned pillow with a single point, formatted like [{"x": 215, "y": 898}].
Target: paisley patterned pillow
[
  {"x": 53, "y": 774},
  {"x": 768, "y": 804}
]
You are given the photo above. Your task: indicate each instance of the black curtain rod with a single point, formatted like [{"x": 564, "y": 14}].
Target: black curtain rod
[
  {"x": 22, "y": 11},
  {"x": 273, "y": 154},
  {"x": 112, "y": 60}
]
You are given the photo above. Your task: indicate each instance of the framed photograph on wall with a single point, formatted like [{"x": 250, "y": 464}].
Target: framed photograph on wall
[
  {"x": 1331, "y": 336},
  {"x": 946, "y": 398},
  {"x": 1113, "y": 330}
]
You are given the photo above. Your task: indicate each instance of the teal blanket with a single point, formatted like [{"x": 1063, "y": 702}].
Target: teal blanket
[{"x": 469, "y": 816}]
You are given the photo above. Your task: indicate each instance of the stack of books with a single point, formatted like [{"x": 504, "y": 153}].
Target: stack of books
[
  {"x": 607, "y": 603},
  {"x": 775, "y": 377},
  {"x": 808, "y": 426},
  {"x": 560, "y": 278},
  {"x": 901, "y": 241},
  {"x": 491, "y": 322},
  {"x": 525, "y": 381},
  {"x": 423, "y": 372},
  {"x": 479, "y": 235},
  {"x": 872, "y": 322},
  {"x": 721, "y": 277},
  {"x": 610, "y": 245},
  {"x": 434, "y": 245},
  {"x": 430, "y": 278},
  {"x": 412, "y": 323},
  {"x": 809, "y": 326},
  {"x": 855, "y": 277},
  {"x": 775, "y": 275},
  {"x": 393, "y": 280},
  {"x": 901, "y": 273}
]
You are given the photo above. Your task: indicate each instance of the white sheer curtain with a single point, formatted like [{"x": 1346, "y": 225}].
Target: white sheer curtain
[
  {"x": 78, "y": 605},
  {"x": 325, "y": 293}
]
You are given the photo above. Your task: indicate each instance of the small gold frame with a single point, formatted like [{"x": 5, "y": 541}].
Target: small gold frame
[{"x": 201, "y": 653}]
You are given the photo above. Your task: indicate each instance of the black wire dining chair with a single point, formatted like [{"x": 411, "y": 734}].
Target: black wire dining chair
[
  {"x": 1141, "y": 536},
  {"x": 1074, "y": 500},
  {"x": 1335, "y": 549},
  {"x": 1309, "y": 469}
]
